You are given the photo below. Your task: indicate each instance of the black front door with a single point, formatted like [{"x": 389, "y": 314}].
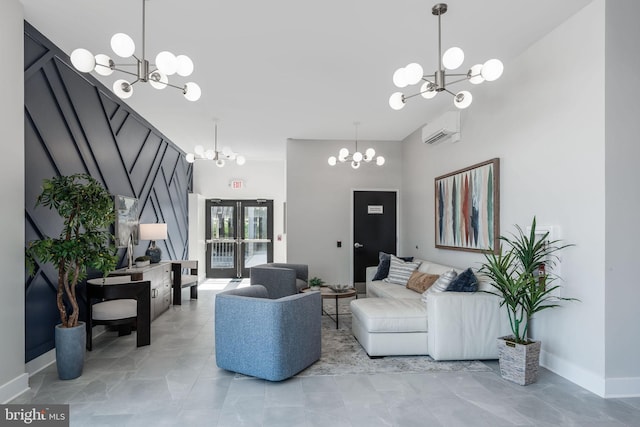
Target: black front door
[{"x": 374, "y": 229}]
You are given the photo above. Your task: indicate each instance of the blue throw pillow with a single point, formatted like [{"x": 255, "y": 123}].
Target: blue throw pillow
[
  {"x": 385, "y": 263},
  {"x": 464, "y": 282}
]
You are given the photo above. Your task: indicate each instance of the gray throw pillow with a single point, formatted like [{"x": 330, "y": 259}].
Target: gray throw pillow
[{"x": 400, "y": 271}]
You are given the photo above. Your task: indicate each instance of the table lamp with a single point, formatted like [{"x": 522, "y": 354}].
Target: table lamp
[{"x": 153, "y": 232}]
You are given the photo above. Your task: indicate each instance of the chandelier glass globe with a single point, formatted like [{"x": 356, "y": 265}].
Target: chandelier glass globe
[{"x": 122, "y": 45}]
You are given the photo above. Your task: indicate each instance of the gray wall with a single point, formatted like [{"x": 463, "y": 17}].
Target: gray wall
[
  {"x": 319, "y": 200},
  {"x": 13, "y": 379},
  {"x": 73, "y": 124},
  {"x": 622, "y": 196}
]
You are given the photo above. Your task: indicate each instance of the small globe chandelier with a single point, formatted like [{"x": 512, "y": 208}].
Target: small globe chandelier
[
  {"x": 357, "y": 157},
  {"x": 432, "y": 84},
  {"x": 156, "y": 74},
  {"x": 220, "y": 157}
]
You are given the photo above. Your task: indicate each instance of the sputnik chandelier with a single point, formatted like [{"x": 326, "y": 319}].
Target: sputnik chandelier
[
  {"x": 357, "y": 157},
  {"x": 156, "y": 74},
  {"x": 220, "y": 157},
  {"x": 437, "y": 82}
]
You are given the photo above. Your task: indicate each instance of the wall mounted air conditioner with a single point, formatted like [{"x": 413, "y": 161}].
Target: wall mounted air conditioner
[{"x": 444, "y": 127}]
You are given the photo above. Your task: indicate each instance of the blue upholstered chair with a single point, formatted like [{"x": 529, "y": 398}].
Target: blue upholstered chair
[
  {"x": 272, "y": 339},
  {"x": 280, "y": 279}
]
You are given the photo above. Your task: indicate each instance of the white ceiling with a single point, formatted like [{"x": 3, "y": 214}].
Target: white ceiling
[{"x": 272, "y": 70}]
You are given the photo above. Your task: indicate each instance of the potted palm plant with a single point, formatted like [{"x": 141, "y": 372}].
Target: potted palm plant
[
  {"x": 83, "y": 243},
  {"x": 520, "y": 275}
]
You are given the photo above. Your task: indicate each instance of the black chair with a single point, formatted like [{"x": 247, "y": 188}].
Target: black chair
[
  {"x": 181, "y": 280},
  {"x": 119, "y": 302}
]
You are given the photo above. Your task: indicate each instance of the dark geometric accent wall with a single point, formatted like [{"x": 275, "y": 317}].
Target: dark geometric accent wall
[{"x": 73, "y": 124}]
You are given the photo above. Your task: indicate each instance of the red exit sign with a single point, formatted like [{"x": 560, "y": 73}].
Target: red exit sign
[{"x": 237, "y": 184}]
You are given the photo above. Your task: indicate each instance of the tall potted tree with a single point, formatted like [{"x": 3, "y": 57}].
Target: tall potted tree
[
  {"x": 83, "y": 243},
  {"x": 520, "y": 275}
]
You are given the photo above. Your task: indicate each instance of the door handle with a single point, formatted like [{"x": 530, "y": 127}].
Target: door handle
[{"x": 358, "y": 245}]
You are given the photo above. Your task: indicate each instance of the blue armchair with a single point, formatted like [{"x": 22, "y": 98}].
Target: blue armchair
[
  {"x": 280, "y": 279},
  {"x": 267, "y": 338}
]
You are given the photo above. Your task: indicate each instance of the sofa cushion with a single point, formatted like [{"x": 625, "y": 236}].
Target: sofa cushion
[
  {"x": 390, "y": 315},
  {"x": 115, "y": 309},
  {"x": 400, "y": 271},
  {"x": 384, "y": 262},
  {"x": 464, "y": 282},
  {"x": 420, "y": 282},
  {"x": 381, "y": 289}
]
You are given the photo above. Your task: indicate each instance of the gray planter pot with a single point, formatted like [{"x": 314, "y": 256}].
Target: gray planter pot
[
  {"x": 70, "y": 348},
  {"x": 519, "y": 362}
]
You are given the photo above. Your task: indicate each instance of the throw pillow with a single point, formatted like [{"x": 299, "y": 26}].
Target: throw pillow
[
  {"x": 384, "y": 264},
  {"x": 400, "y": 271},
  {"x": 443, "y": 281},
  {"x": 464, "y": 282},
  {"x": 420, "y": 282},
  {"x": 441, "y": 284}
]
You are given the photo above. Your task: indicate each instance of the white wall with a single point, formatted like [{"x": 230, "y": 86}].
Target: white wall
[
  {"x": 319, "y": 201},
  {"x": 622, "y": 199},
  {"x": 544, "y": 119},
  {"x": 13, "y": 379},
  {"x": 262, "y": 180},
  {"x": 197, "y": 229}
]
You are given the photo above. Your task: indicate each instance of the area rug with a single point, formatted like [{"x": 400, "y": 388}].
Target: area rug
[{"x": 343, "y": 355}]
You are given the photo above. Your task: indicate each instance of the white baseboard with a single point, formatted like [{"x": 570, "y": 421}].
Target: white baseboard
[
  {"x": 39, "y": 363},
  {"x": 607, "y": 388},
  {"x": 622, "y": 387},
  {"x": 573, "y": 373},
  {"x": 14, "y": 388}
]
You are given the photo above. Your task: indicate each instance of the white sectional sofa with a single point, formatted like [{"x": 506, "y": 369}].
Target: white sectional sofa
[{"x": 394, "y": 320}]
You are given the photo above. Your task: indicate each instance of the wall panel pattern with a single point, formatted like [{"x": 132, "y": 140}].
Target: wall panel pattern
[{"x": 73, "y": 124}]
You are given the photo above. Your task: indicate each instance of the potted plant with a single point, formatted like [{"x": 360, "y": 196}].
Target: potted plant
[
  {"x": 315, "y": 283},
  {"x": 84, "y": 242},
  {"x": 520, "y": 275},
  {"x": 143, "y": 261}
]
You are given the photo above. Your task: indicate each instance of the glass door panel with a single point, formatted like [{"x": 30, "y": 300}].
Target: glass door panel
[
  {"x": 257, "y": 234},
  {"x": 221, "y": 239},
  {"x": 239, "y": 236}
]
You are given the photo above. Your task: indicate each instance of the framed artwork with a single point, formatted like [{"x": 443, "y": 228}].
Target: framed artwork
[
  {"x": 126, "y": 225},
  {"x": 467, "y": 208}
]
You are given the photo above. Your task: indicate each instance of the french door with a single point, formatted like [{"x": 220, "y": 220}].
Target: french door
[{"x": 239, "y": 236}]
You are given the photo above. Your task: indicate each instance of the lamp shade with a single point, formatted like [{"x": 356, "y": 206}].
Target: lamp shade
[{"x": 153, "y": 231}]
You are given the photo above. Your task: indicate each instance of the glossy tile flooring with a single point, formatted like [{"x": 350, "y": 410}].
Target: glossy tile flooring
[{"x": 175, "y": 382}]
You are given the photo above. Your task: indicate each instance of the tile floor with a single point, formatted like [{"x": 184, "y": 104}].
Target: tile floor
[{"x": 175, "y": 382}]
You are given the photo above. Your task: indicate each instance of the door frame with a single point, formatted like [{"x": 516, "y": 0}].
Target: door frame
[{"x": 351, "y": 218}]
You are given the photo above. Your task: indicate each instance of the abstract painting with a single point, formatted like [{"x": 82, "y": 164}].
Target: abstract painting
[{"x": 467, "y": 208}]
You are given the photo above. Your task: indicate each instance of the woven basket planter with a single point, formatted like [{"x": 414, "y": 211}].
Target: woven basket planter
[{"x": 519, "y": 362}]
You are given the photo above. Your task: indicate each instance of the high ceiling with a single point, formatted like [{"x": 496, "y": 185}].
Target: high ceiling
[{"x": 272, "y": 70}]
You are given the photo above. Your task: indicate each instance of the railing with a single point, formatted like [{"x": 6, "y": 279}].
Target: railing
[{"x": 223, "y": 253}]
